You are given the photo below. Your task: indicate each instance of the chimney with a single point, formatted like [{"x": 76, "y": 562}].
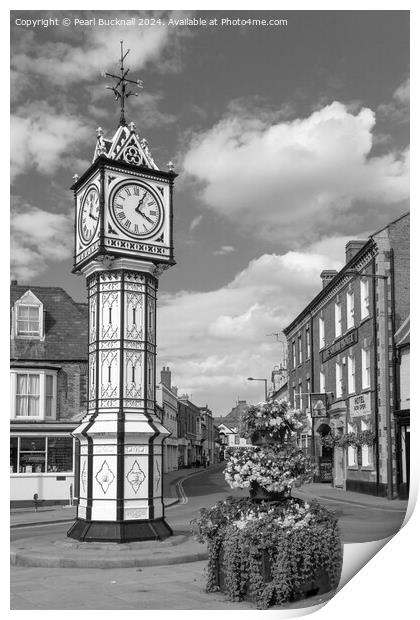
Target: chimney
[
  {"x": 174, "y": 390},
  {"x": 165, "y": 377},
  {"x": 327, "y": 275},
  {"x": 352, "y": 247}
]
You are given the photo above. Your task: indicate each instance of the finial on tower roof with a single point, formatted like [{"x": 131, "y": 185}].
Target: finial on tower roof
[
  {"x": 75, "y": 177},
  {"x": 171, "y": 166},
  {"x": 120, "y": 87}
]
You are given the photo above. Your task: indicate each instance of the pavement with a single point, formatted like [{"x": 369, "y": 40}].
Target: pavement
[
  {"x": 172, "y": 492},
  {"x": 326, "y": 492}
]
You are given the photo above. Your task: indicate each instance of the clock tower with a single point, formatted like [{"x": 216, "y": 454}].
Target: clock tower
[{"x": 123, "y": 242}]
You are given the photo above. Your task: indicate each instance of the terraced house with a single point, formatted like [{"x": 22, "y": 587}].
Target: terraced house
[{"x": 343, "y": 344}]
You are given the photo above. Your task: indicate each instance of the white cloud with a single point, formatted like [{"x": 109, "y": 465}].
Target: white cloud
[
  {"x": 44, "y": 139},
  {"x": 398, "y": 110},
  {"x": 225, "y": 249},
  {"x": 195, "y": 222},
  {"x": 37, "y": 236},
  {"x": 64, "y": 63},
  {"x": 297, "y": 180},
  {"x": 214, "y": 340}
]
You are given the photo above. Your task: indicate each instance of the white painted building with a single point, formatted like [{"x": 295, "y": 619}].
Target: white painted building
[{"x": 167, "y": 399}]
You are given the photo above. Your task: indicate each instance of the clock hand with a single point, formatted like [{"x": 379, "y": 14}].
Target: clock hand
[
  {"x": 146, "y": 217},
  {"x": 137, "y": 209}
]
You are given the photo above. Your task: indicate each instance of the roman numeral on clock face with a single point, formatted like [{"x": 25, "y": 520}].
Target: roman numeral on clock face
[
  {"x": 127, "y": 191},
  {"x": 121, "y": 215},
  {"x": 127, "y": 224}
]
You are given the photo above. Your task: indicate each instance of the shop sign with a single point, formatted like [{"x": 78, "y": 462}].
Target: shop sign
[
  {"x": 318, "y": 405},
  {"x": 325, "y": 469},
  {"x": 337, "y": 347},
  {"x": 359, "y": 405}
]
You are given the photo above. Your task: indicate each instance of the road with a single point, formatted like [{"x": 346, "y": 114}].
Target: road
[{"x": 179, "y": 586}]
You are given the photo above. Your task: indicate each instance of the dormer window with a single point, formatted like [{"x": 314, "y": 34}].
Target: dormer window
[{"x": 28, "y": 317}]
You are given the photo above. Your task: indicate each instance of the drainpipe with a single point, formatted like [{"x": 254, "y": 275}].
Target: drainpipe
[{"x": 375, "y": 374}]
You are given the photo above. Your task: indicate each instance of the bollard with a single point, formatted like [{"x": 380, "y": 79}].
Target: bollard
[{"x": 36, "y": 501}]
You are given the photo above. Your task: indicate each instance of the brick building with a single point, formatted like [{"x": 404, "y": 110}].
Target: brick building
[
  {"x": 343, "y": 344},
  {"x": 48, "y": 373}
]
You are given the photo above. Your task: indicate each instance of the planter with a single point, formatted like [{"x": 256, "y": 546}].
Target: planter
[
  {"x": 258, "y": 494},
  {"x": 320, "y": 583}
]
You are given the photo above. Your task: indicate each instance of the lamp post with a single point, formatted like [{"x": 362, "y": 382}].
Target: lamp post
[
  {"x": 375, "y": 276},
  {"x": 265, "y": 384}
]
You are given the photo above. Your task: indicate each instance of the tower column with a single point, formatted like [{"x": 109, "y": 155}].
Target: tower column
[{"x": 121, "y": 437}]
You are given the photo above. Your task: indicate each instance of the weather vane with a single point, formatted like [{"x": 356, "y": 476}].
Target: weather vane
[{"x": 120, "y": 87}]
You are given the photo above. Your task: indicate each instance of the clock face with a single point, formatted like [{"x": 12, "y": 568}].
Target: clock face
[
  {"x": 89, "y": 215},
  {"x": 136, "y": 210}
]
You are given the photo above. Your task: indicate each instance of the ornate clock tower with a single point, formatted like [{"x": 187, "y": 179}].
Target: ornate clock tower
[{"x": 123, "y": 242}]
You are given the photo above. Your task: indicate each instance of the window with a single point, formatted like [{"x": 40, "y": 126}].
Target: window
[
  {"x": 28, "y": 321},
  {"x": 293, "y": 354},
  {"x": 321, "y": 333},
  {"x": 338, "y": 319},
  {"x": 365, "y": 368},
  {"x": 33, "y": 394},
  {"x": 300, "y": 397},
  {"x": 322, "y": 381},
  {"x": 308, "y": 342},
  {"x": 27, "y": 317},
  {"x": 350, "y": 309},
  {"x": 299, "y": 349},
  {"x": 367, "y": 451},
  {"x": 351, "y": 380},
  {"x": 27, "y": 396},
  {"x": 351, "y": 450},
  {"x": 364, "y": 298},
  {"x": 33, "y": 455},
  {"x": 13, "y": 455},
  {"x": 308, "y": 391},
  {"x": 338, "y": 380},
  {"x": 294, "y": 398},
  {"x": 236, "y": 440}
]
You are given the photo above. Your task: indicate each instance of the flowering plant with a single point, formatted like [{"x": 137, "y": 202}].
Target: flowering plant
[
  {"x": 274, "y": 468},
  {"x": 274, "y": 419},
  {"x": 364, "y": 438}
]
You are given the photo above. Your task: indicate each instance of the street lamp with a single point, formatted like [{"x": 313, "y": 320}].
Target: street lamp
[
  {"x": 375, "y": 276},
  {"x": 265, "y": 384}
]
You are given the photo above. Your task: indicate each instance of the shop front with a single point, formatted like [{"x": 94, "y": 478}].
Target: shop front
[{"x": 41, "y": 467}]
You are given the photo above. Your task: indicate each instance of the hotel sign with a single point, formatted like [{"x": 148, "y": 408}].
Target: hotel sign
[
  {"x": 340, "y": 345},
  {"x": 359, "y": 405}
]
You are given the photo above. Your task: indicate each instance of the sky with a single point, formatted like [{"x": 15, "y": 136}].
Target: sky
[{"x": 288, "y": 141}]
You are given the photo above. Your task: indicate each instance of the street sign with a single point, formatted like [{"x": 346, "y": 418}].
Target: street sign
[{"x": 318, "y": 405}]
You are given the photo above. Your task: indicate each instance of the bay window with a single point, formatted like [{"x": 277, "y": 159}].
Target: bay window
[{"x": 33, "y": 394}]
